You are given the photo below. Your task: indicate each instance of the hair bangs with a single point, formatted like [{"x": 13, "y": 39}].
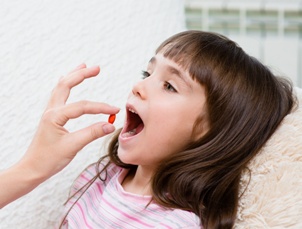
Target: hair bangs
[
  {"x": 192, "y": 52},
  {"x": 180, "y": 49}
]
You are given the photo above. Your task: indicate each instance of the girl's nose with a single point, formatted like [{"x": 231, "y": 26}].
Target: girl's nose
[{"x": 139, "y": 89}]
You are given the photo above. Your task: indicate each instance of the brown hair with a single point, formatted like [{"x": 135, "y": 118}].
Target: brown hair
[{"x": 245, "y": 104}]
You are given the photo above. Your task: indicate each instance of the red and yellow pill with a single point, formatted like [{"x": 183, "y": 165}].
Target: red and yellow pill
[{"x": 111, "y": 118}]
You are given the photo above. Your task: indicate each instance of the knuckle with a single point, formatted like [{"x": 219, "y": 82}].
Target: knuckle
[
  {"x": 48, "y": 115},
  {"x": 62, "y": 83},
  {"x": 94, "y": 133},
  {"x": 52, "y": 113},
  {"x": 84, "y": 104}
]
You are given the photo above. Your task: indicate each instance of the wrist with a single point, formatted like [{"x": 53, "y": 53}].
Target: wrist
[
  {"x": 29, "y": 173},
  {"x": 17, "y": 181}
]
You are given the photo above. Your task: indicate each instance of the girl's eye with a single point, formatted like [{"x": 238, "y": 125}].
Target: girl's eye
[
  {"x": 145, "y": 74},
  {"x": 169, "y": 87}
]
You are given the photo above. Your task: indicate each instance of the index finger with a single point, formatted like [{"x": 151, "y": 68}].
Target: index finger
[
  {"x": 77, "y": 109},
  {"x": 62, "y": 90}
]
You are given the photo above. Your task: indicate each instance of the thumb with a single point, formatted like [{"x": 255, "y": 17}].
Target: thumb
[
  {"x": 108, "y": 128},
  {"x": 85, "y": 136}
]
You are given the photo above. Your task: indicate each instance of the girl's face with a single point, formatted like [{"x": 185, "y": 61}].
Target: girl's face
[{"x": 161, "y": 112}]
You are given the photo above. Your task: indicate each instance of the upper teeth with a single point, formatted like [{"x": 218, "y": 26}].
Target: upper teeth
[{"x": 131, "y": 110}]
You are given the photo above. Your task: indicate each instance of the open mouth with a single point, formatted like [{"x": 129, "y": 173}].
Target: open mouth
[{"x": 133, "y": 125}]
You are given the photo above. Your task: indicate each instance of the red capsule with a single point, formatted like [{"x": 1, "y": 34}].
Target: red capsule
[{"x": 111, "y": 118}]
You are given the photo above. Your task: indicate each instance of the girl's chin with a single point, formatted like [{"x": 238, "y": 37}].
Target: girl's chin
[{"x": 122, "y": 155}]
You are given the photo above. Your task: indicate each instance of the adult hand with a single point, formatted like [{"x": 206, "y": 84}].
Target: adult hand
[{"x": 53, "y": 147}]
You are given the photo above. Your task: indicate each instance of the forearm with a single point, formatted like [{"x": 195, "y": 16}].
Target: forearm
[{"x": 17, "y": 181}]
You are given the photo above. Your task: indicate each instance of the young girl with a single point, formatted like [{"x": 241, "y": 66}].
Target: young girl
[{"x": 203, "y": 111}]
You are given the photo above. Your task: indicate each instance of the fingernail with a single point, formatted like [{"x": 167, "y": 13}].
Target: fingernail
[
  {"x": 81, "y": 66},
  {"x": 115, "y": 107},
  {"x": 108, "y": 128}
]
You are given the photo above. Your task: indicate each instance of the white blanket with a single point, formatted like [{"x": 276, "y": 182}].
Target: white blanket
[{"x": 273, "y": 197}]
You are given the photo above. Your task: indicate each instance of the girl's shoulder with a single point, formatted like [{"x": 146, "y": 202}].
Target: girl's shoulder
[
  {"x": 95, "y": 170},
  {"x": 183, "y": 219}
]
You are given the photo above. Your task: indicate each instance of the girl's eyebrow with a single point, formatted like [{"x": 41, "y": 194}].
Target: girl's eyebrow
[
  {"x": 173, "y": 71},
  {"x": 177, "y": 73}
]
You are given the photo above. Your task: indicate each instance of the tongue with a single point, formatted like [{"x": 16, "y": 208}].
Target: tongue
[
  {"x": 134, "y": 131},
  {"x": 139, "y": 128}
]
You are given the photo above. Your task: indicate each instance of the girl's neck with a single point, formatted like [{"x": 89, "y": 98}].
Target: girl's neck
[{"x": 138, "y": 182}]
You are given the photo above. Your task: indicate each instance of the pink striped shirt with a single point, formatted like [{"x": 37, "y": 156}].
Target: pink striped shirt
[{"x": 107, "y": 205}]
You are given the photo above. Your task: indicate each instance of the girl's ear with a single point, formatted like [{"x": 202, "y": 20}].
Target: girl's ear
[{"x": 201, "y": 127}]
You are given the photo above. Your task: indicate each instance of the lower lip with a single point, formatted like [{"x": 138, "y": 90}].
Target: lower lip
[
  {"x": 127, "y": 139},
  {"x": 126, "y": 142}
]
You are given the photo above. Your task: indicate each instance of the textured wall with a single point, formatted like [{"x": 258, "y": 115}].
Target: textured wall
[{"x": 42, "y": 40}]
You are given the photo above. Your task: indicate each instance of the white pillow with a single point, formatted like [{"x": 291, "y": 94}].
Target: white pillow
[{"x": 273, "y": 198}]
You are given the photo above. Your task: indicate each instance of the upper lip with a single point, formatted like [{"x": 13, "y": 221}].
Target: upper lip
[{"x": 130, "y": 107}]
